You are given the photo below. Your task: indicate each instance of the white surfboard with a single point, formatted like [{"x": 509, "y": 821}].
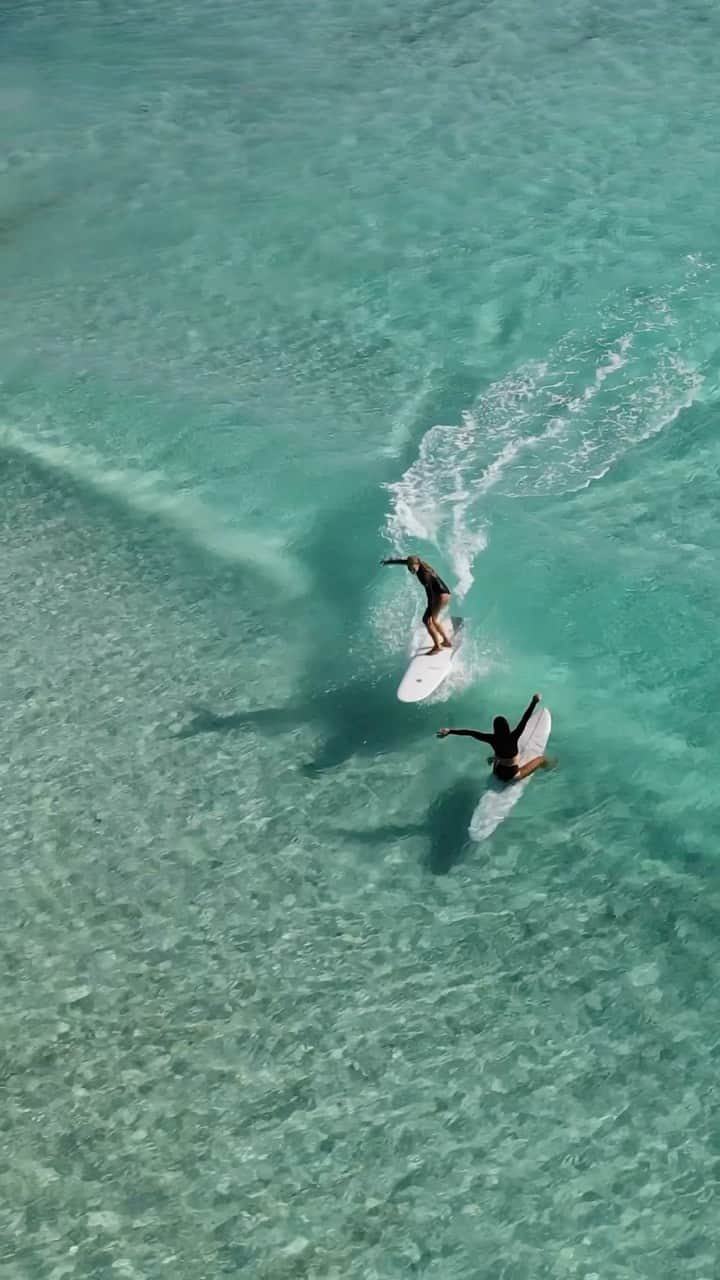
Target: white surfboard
[
  {"x": 501, "y": 797},
  {"x": 425, "y": 674}
]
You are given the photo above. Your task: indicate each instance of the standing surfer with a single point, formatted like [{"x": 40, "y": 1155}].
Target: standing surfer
[
  {"x": 438, "y": 597},
  {"x": 504, "y": 742}
]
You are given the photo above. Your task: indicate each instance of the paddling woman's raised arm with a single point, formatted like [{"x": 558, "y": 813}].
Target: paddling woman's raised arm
[
  {"x": 466, "y": 733},
  {"x": 522, "y": 722}
]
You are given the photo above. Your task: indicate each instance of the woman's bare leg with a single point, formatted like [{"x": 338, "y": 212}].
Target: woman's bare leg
[
  {"x": 539, "y": 762},
  {"x": 431, "y": 626},
  {"x": 445, "y": 640}
]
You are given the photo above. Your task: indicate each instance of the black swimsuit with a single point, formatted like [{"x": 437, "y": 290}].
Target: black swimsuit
[
  {"x": 432, "y": 582},
  {"x": 505, "y": 748},
  {"x": 505, "y": 772}
]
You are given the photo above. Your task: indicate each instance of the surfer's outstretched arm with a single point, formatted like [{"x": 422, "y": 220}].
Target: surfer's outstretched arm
[
  {"x": 466, "y": 733},
  {"x": 404, "y": 561},
  {"x": 517, "y": 731}
]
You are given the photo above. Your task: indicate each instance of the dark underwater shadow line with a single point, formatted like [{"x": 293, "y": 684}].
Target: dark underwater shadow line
[
  {"x": 448, "y": 819},
  {"x": 446, "y": 823},
  {"x": 205, "y": 720},
  {"x": 358, "y": 718},
  {"x": 13, "y": 221}
]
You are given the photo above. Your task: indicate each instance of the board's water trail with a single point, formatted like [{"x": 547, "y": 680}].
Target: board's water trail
[
  {"x": 552, "y": 426},
  {"x": 148, "y": 493}
]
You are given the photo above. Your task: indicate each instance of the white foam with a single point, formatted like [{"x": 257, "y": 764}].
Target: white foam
[
  {"x": 553, "y": 426},
  {"x": 616, "y": 360}
]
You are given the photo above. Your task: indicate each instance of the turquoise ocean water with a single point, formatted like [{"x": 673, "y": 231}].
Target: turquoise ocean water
[{"x": 287, "y": 288}]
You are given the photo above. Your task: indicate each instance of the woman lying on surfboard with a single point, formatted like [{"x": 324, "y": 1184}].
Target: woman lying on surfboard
[
  {"x": 438, "y": 596},
  {"x": 504, "y": 742}
]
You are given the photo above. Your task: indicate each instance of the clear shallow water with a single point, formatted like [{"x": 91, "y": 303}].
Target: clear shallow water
[{"x": 283, "y": 289}]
